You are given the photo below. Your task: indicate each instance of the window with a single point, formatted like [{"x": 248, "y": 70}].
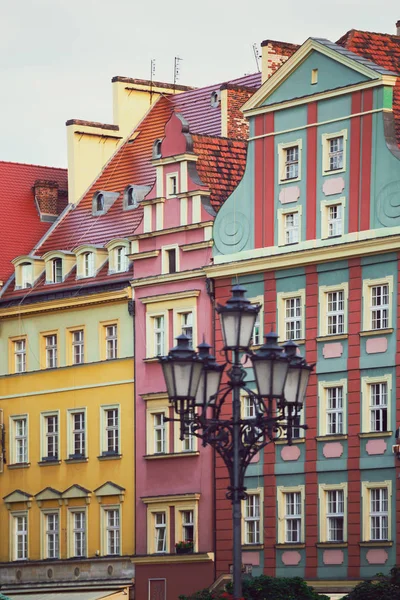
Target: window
[
  {"x": 293, "y": 515},
  {"x": 188, "y": 442},
  {"x": 20, "y": 536},
  {"x": 19, "y": 356},
  {"x": 99, "y": 202},
  {"x": 88, "y": 264},
  {"x": 334, "y": 412},
  {"x": 111, "y": 342},
  {"x": 258, "y": 330},
  {"x": 314, "y": 76},
  {"x": 187, "y": 519},
  {"x": 291, "y": 228},
  {"x": 26, "y": 275},
  {"x": 111, "y": 431},
  {"x": 378, "y": 406},
  {"x": 335, "y": 312},
  {"x": 335, "y": 219},
  {"x": 78, "y": 518},
  {"x": 187, "y": 324},
  {"x": 160, "y": 532},
  {"x": 50, "y": 442},
  {"x": 19, "y": 439},
  {"x": 377, "y": 309},
  {"x": 131, "y": 199},
  {"x": 77, "y": 347},
  {"x": 77, "y": 434},
  {"x": 159, "y": 433},
  {"x": 159, "y": 335},
  {"x": 52, "y": 549},
  {"x": 112, "y": 531},
  {"x": 376, "y": 510},
  {"x": 56, "y": 270},
  {"x": 121, "y": 259},
  {"x": 333, "y": 512},
  {"x": 172, "y": 185},
  {"x": 293, "y": 318},
  {"x": 291, "y": 162},
  {"x": 334, "y": 152},
  {"x": 51, "y": 351},
  {"x": 171, "y": 260},
  {"x": 252, "y": 519}
]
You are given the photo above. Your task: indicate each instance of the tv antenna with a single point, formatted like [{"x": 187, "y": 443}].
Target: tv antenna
[
  {"x": 152, "y": 75},
  {"x": 177, "y": 69},
  {"x": 256, "y": 56}
]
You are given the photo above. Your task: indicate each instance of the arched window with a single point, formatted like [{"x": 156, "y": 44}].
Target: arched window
[{"x": 100, "y": 202}]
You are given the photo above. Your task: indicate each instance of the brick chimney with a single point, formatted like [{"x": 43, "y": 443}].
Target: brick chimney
[
  {"x": 398, "y": 27},
  {"x": 50, "y": 200},
  {"x": 274, "y": 54}
]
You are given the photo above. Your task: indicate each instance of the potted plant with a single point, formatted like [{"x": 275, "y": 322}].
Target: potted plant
[{"x": 184, "y": 547}]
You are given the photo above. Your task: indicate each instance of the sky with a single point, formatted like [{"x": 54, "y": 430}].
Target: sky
[{"x": 57, "y": 57}]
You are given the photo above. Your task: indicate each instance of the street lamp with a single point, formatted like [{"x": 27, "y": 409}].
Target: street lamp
[{"x": 194, "y": 387}]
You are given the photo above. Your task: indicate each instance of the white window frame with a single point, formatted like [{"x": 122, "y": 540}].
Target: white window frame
[
  {"x": 324, "y": 291},
  {"x": 72, "y": 531},
  {"x": 324, "y": 207},
  {"x": 107, "y": 529},
  {"x": 159, "y": 427},
  {"x": 325, "y": 141},
  {"x": 78, "y": 344},
  {"x": 151, "y": 333},
  {"x": 45, "y": 435},
  {"x": 14, "y": 516},
  {"x": 159, "y": 525},
  {"x": 72, "y": 432},
  {"x": 281, "y": 306},
  {"x": 48, "y": 533},
  {"x": 106, "y": 428},
  {"x": 281, "y": 218},
  {"x": 121, "y": 261},
  {"x": 165, "y": 259},
  {"x": 57, "y": 269},
  {"x": 366, "y": 487},
  {"x": 111, "y": 340},
  {"x": 51, "y": 350},
  {"x": 257, "y": 338},
  {"x": 366, "y": 383},
  {"x": 171, "y": 189},
  {"x": 187, "y": 445},
  {"x": 368, "y": 309},
  {"x": 323, "y": 491},
  {"x": 88, "y": 264},
  {"x": 179, "y": 327},
  {"x": 26, "y": 275},
  {"x": 282, "y": 154},
  {"x": 323, "y": 387},
  {"x": 19, "y": 364},
  {"x": 283, "y": 517},
  {"x": 154, "y": 408},
  {"x": 249, "y": 520},
  {"x": 15, "y": 439}
]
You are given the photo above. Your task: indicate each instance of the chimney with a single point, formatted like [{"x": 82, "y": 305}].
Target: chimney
[
  {"x": 398, "y": 27},
  {"x": 49, "y": 199},
  {"x": 274, "y": 54}
]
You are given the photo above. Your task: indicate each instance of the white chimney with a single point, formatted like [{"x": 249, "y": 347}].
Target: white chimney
[{"x": 398, "y": 28}]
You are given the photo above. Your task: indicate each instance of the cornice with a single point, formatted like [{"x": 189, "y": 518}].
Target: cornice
[
  {"x": 141, "y": 255},
  {"x": 195, "y": 496},
  {"x": 171, "y": 296},
  {"x": 173, "y": 558},
  {"x": 149, "y": 234},
  {"x": 168, "y": 277},
  {"x": 197, "y": 246}
]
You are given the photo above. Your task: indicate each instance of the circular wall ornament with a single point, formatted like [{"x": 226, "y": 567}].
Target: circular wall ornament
[
  {"x": 388, "y": 204},
  {"x": 232, "y": 232}
]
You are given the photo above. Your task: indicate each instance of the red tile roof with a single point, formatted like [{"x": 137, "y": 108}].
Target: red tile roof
[
  {"x": 384, "y": 50},
  {"x": 21, "y": 227}
]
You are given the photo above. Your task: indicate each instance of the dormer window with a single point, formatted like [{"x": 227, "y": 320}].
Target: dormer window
[
  {"x": 157, "y": 149},
  {"x": 56, "y": 270},
  {"x": 100, "y": 202},
  {"x": 121, "y": 259},
  {"x": 88, "y": 264},
  {"x": 131, "y": 199},
  {"x": 26, "y": 275}
]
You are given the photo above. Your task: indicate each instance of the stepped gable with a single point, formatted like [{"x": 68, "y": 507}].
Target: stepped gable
[
  {"x": 384, "y": 50},
  {"x": 20, "y": 219}
]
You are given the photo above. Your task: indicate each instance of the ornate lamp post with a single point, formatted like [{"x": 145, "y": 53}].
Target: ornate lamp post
[{"x": 194, "y": 387}]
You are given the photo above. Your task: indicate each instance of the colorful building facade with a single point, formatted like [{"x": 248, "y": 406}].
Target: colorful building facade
[{"x": 312, "y": 232}]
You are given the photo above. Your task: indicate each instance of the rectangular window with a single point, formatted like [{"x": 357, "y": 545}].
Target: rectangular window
[
  {"x": 20, "y": 535},
  {"x": 380, "y": 306},
  {"x": 112, "y": 531},
  {"x": 335, "y": 515},
  {"x": 172, "y": 185},
  {"x": 160, "y": 532},
  {"x": 335, "y": 220},
  {"x": 335, "y": 312},
  {"x": 256, "y": 339},
  {"x": 78, "y": 347},
  {"x": 51, "y": 437},
  {"x": 292, "y": 162},
  {"x": 379, "y": 514},
  {"x": 52, "y": 535},
  {"x": 187, "y": 324},
  {"x": 188, "y": 442},
  {"x": 20, "y": 439},
  {"x": 57, "y": 270},
  {"x": 252, "y": 519},
  {"x": 187, "y": 517},
  {"x": 334, "y": 410},
  {"x": 111, "y": 342},
  {"x": 78, "y": 434},
  {"x": 291, "y": 227},
  {"x": 379, "y": 406},
  {"x": 111, "y": 417},
  {"x": 159, "y": 433},
  {"x": 51, "y": 351},
  {"x": 159, "y": 335},
  {"x": 293, "y": 517},
  {"x": 293, "y": 318},
  {"x": 79, "y": 533},
  {"x": 26, "y": 275},
  {"x": 121, "y": 259},
  {"x": 171, "y": 260},
  {"x": 19, "y": 356},
  {"x": 336, "y": 153},
  {"x": 88, "y": 264}
]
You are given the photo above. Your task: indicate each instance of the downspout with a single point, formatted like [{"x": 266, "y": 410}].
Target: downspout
[{"x": 131, "y": 311}]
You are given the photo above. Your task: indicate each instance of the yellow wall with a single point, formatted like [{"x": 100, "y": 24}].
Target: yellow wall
[{"x": 61, "y": 389}]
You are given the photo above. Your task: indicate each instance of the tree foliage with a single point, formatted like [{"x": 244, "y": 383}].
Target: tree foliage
[{"x": 381, "y": 588}]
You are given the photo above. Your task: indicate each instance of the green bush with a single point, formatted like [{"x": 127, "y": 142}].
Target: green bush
[
  {"x": 381, "y": 588},
  {"x": 265, "y": 588}
]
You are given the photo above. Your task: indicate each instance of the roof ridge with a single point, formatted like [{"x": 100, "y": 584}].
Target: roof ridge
[
  {"x": 218, "y": 137},
  {"x": 12, "y": 162},
  {"x": 353, "y": 31}
]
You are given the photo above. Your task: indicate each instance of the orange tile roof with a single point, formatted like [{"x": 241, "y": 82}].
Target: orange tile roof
[{"x": 384, "y": 50}]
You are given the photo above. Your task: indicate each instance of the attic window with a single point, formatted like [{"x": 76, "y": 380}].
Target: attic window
[
  {"x": 99, "y": 202},
  {"x": 57, "y": 270},
  {"x": 157, "y": 149},
  {"x": 26, "y": 275},
  {"x": 314, "y": 76},
  {"x": 215, "y": 98},
  {"x": 131, "y": 197}
]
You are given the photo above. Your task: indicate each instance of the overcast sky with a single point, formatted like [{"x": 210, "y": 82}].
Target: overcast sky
[{"x": 57, "y": 57}]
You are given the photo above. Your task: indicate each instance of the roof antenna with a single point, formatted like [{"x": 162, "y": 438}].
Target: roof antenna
[
  {"x": 177, "y": 70},
  {"x": 257, "y": 56},
  {"x": 152, "y": 75}
]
